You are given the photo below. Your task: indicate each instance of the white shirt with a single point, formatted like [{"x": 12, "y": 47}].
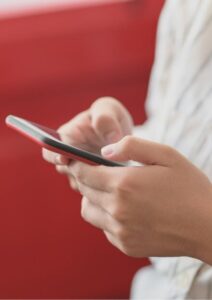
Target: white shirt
[{"x": 179, "y": 106}]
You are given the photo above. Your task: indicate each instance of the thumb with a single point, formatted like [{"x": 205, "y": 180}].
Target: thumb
[
  {"x": 107, "y": 127},
  {"x": 110, "y": 120},
  {"x": 139, "y": 150}
]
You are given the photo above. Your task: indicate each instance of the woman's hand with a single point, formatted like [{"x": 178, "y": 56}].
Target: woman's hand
[
  {"x": 105, "y": 122},
  {"x": 163, "y": 208}
]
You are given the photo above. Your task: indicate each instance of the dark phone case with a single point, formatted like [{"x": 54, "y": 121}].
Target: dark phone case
[{"x": 42, "y": 136}]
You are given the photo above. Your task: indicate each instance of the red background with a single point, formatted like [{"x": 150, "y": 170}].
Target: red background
[{"x": 52, "y": 66}]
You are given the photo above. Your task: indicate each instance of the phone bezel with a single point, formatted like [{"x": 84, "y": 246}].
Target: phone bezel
[{"x": 36, "y": 133}]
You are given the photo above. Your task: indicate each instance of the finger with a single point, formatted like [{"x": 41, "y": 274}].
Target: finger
[
  {"x": 97, "y": 177},
  {"x": 110, "y": 237},
  {"x": 107, "y": 115},
  {"x": 79, "y": 130},
  {"x": 136, "y": 149},
  {"x": 70, "y": 130},
  {"x": 73, "y": 183},
  {"x": 54, "y": 158},
  {"x": 65, "y": 169},
  {"x": 113, "y": 240},
  {"x": 98, "y": 198},
  {"x": 95, "y": 215},
  {"x": 62, "y": 169}
]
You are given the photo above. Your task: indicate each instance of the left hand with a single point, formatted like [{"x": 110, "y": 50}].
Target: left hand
[{"x": 154, "y": 210}]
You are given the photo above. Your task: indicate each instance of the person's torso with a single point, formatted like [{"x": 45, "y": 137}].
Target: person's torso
[{"x": 180, "y": 106}]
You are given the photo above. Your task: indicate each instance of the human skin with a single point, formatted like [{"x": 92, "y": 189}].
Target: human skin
[
  {"x": 106, "y": 121},
  {"x": 162, "y": 208}
]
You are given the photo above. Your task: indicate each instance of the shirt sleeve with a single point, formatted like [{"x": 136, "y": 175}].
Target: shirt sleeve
[{"x": 161, "y": 70}]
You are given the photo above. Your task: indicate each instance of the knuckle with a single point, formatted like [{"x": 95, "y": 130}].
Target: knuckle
[
  {"x": 106, "y": 108},
  {"x": 74, "y": 184},
  {"x": 80, "y": 120},
  {"x": 49, "y": 156},
  {"x": 70, "y": 182},
  {"x": 105, "y": 100},
  {"x": 127, "y": 142},
  {"x": 124, "y": 241},
  {"x": 78, "y": 173},
  {"x": 79, "y": 187},
  {"x": 115, "y": 212},
  {"x": 59, "y": 169},
  {"x": 62, "y": 129},
  {"x": 45, "y": 154},
  {"x": 79, "y": 176},
  {"x": 119, "y": 208},
  {"x": 118, "y": 211},
  {"x": 123, "y": 236},
  {"x": 168, "y": 151},
  {"x": 102, "y": 121},
  {"x": 122, "y": 184},
  {"x": 120, "y": 238},
  {"x": 84, "y": 209}
]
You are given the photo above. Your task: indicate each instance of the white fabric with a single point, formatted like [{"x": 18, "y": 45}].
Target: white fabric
[{"x": 179, "y": 106}]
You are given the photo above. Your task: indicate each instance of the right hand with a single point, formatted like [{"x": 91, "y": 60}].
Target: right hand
[{"x": 106, "y": 121}]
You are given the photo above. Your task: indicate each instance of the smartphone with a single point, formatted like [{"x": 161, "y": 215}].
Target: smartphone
[{"x": 50, "y": 139}]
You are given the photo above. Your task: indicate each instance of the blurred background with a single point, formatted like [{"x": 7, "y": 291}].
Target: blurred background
[{"x": 56, "y": 58}]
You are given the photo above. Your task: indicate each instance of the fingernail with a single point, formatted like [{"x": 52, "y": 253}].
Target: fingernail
[
  {"x": 108, "y": 150},
  {"x": 112, "y": 137}
]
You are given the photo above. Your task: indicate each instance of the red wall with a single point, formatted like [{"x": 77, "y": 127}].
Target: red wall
[{"x": 52, "y": 66}]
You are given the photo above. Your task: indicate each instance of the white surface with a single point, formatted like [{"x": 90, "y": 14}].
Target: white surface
[{"x": 11, "y": 7}]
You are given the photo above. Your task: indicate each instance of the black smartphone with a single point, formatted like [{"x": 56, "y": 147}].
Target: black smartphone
[{"x": 50, "y": 139}]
